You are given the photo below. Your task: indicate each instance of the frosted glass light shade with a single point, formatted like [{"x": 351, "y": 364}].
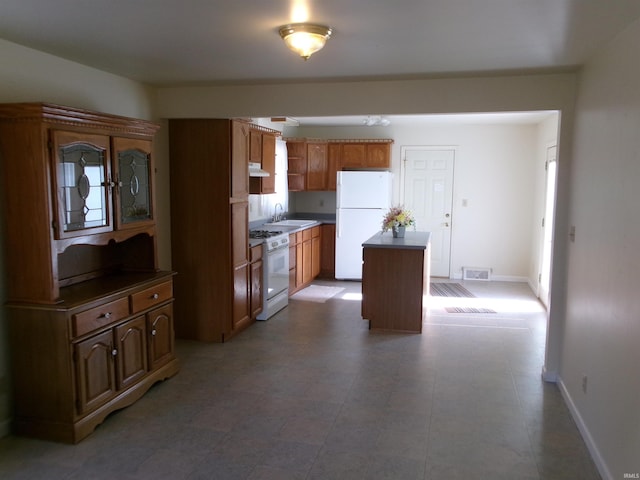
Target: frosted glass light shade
[{"x": 304, "y": 38}]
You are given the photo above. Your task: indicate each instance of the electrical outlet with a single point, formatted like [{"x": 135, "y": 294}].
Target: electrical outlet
[{"x": 584, "y": 383}]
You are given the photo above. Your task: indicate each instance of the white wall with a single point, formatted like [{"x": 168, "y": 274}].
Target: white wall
[
  {"x": 30, "y": 76},
  {"x": 602, "y": 331}
]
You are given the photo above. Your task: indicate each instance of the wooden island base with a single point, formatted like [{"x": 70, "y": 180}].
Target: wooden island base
[{"x": 395, "y": 281}]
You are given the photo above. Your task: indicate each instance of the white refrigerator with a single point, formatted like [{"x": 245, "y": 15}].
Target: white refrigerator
[{"x": 363, "y": 198}]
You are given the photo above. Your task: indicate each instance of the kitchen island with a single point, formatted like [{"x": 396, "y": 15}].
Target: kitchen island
[{"x": 395, "y": 281}]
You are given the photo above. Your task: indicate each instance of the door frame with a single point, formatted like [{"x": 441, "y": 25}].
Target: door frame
[
  {"x": 549, "y": 226},
  {"x": 401, "y": 181}
]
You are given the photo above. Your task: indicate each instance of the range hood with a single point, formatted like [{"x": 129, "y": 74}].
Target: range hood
[{"x": 255, "y": 170}]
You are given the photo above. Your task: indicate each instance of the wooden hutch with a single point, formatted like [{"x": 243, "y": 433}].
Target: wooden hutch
[{"x": 90, "y": 315}]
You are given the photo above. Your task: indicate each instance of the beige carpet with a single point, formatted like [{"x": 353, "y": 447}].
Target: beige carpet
[{"x": 317, "y": 293}]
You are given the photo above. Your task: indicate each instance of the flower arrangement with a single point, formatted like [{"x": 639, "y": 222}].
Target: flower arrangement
[{"x": 397, "y": 217}]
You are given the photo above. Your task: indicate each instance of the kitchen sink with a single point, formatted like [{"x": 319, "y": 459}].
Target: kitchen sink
[{"x": 291, "y": 223}]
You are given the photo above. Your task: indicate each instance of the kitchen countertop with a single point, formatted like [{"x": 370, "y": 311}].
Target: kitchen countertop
[
  {"x": 411, "y": 240},
  {"x": 286, "y": 229}
]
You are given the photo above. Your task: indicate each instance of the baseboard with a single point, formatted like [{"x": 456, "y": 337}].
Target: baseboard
[
  {"x": 549, "y": 376},
  {"x": 584, "y": 431}
]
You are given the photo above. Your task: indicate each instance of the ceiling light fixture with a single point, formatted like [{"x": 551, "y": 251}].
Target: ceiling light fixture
[{"x": 305, "y": 39}]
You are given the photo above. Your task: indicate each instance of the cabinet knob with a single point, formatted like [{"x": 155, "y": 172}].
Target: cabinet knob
[
  {"x": 153, "y": 332},
  {"x": 114, "y": 352},
  {"x": 107, "y": 315},
  {"x": 155, "y": 296}
]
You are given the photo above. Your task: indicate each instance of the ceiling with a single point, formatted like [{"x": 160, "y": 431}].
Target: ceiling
[
  {"x": 187, "y": 42},
  {"x": 212, "y": 42}
]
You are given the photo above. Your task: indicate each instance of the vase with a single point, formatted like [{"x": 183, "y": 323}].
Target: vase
[{"x": 398, "y": 232}]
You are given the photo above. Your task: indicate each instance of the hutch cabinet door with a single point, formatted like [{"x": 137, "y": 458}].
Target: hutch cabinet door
[
  {"x": 160, "y": 328},
  {"x": 131, "y": 357},
  {"x": 95, "y": 372},
  {"x": 82, "y": 183},
  {"x": 133, "y": 175}
]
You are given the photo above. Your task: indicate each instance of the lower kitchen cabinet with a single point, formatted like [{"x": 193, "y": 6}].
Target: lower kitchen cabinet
[
  {"x": 328, "y": 251},
  {"x": 304, "y": 257},
  {"x": 98, "y": 350}
]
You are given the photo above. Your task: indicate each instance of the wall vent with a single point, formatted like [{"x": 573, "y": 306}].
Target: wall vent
[{"x": 476, "y": 273}]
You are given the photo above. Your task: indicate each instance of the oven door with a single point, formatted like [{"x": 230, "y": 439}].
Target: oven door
[{"x": 277, "y": 271}]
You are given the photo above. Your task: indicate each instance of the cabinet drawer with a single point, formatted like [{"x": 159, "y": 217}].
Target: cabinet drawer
[
  {"x": 255, "y": 253},
  {"x": 151, "y": 296},
  {"x": 97, "y": 317},
  {"x": 306, "y": 234}
]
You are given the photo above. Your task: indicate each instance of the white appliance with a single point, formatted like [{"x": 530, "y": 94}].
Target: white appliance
[
  {"x": 363, "y": 198},
  {"x": 275, "y": 280}
]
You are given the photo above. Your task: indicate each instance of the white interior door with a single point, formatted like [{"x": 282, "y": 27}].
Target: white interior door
[
  {"x": 428, "y": 193},
  {"x": 547, "y": 227}
]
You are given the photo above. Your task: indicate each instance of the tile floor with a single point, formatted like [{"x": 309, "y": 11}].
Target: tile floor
[{"x": 312, "y": 394}]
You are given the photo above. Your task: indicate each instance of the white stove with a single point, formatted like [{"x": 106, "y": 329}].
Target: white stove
[{"x": 275, "y": 280}]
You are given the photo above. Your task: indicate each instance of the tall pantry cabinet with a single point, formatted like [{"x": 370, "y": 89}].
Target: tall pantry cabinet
[
  {"x": 90, "y": 316},
  {"x": 209, "y": 226}
]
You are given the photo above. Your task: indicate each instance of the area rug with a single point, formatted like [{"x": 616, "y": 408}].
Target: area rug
[
  {"x": 317, "y": 293},
  {"x": 468, "y": 310},
  {"x": 438, "y": 289}
]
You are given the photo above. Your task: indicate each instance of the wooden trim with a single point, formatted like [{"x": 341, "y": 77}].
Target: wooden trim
[{"x": 76, "y": 117}]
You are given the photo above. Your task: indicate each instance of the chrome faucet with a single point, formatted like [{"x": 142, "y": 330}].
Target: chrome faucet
[{"x": 277, "y": 217}]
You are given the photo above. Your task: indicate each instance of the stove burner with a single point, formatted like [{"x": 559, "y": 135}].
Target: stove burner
[{"x": 263, "y": 233}]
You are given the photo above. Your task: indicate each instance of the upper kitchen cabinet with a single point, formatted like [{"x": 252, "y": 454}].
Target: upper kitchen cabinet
[
  {"x": 313, "y": 163},
  {"x": 297, "y": 164},
  {"x": 365, "y": 154},
  {"x": 74, "y": 178},
  {"x": 307, "y": 164},
  {"x": 317, "y": 171},
  {"x": 262, "y": 151}
]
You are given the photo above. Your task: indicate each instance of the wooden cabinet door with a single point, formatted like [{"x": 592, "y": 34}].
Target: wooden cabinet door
[
  {"x": 307, "y": 266},
  {"x": 353, "y": 155},
  {"x": 315, "y": 256},
  {"x": 131, "y": 346},
  {"x": 299, "y": 265},
  {"x": 239, "y": 160},
  {"x": 82, "y": 182},
  {"x": 255, "y": 146},
  {"x": 239, "y": 234},
  {"x": 95, "y": 371},
  {"x": 133, "y": 177},
  {"x": 161, "y": 338},
  {"x": 268, "y": 184},
  {"x": 378, "y": 155},
  {"x": 241, "y": 299},
  {"x": 316, "y": 166},
  {"x": 334, "y": 152},
  {"x": 256, "y": 288},
  {"x": 328, "y": 250}
]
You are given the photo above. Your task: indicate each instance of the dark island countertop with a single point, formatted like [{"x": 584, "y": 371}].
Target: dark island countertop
[{"x": 411, "y": 240}]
